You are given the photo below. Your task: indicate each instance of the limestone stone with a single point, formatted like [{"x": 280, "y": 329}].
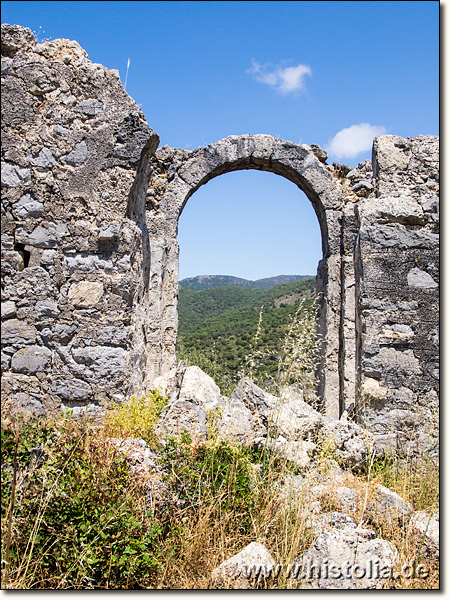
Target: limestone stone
[
  {"x": 12, "y": 175},
  {"x": 71, "y": 389},
  {"x": 427, "y": 527},
  {"x": 46, "y": 308},
  {"x": 289, "y": 416},
  {"x": 27, "y": 206},
  {"x": 351, "y": 443},
  {"x": 372, "y": 390},
  {"x": 235, "y": 422},
  {"x": 345, "y": 558},
  {"x": 421, "y": 279},
  {"x": 15, "y": 37},
  {"x": 388, "y": 506},
  {"x": 26, "y": 404},
  {"x": 253, "y": 562},
  {"x": 31, "y": 360},
  {"x": 101, "y": 361},
  {"x": 44, "y": 159},
  {"x": 326, "y": 522},
  {"x": 199, "y": 388},
  {"x": 85, "y": 294},
  {"x": 8, "y": 309},
  {"x": 77, "y": 157},
  {"x": 18, "y": 333},
  {"x": 48, "y": 236},
  {"x": 181, "y": 417}
]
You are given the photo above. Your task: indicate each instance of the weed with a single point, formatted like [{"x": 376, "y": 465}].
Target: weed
[{"x": 136, "y": 417}]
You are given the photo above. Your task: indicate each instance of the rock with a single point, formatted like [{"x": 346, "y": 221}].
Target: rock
[
  {"x": 31, "y": 360},
  {"x": 427, "y": 527},
  {"x": 108, "y": 232},
  {"x": 12, "y": 175},
  {"x": 351, "y": 444},
  {"x": 138, "y": 454},
  {"x": 199, "y": 388},
  {"x": 71, "y": 389},
  {"x": 8, "y": 309},
  {"x": 346, "y": 557},
  {"x": 362, "y": 188},
  {"x": 235, "y": 422},
  {"x": 101, "y": 361},
  {"x": 85, "y": 294},
  {"x": 335, "y": 520},
  {"x": 288, "y": 416},
  {"x": 27, "y": 207},
  {"x": 91, "y": 108},
  {"x": 385, "y": 444},
  {"x": 300, "y": 453},
  {"x": 15, "y": 37},
  {"x": 18, "y": 333},
  {"x": 89, "y": 411},
  {"x": 388, "y": 507},
  {"x": 372, "y": 390},
  {"x": 295, "y": 419},
  {"x": 319, "y": 152},
  {"x": 253, "y": 563},
  {"x": 48, "y": 236},
  {"x": 341, "y": 497},
  {"x": 181, "y": 417},
  {"x": 43, "y": 160},
  {"x": 77, "y": 157},
  {"x": 390, "y": 209},
  {"x": 431, "y": 205},
  {"x": 420, "y": 279},
  {"x": 26, "y": 404},
  {"x": 45, "y": 309}
]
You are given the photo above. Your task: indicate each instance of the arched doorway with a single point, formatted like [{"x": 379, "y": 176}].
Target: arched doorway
[{"x": 182, "y": 173}]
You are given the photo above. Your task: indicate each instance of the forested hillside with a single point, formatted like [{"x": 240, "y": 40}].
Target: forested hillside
[
  {"x": 204, "y": 282},
  {"x": 230, "y": 331}
]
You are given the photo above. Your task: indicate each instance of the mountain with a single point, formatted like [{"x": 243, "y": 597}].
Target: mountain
[
  {"x": 219, "y": 328},
  {"x": 204, "y": 282}
]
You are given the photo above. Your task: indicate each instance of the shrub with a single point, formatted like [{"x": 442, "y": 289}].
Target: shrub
[
  {"x": 78, "y": 521},
  {"x": 136, "y": 417}
]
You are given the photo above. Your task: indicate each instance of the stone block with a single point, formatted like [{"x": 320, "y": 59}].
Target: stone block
[
  {"x": 85, "y": 294},
  {"x": 18, "y": 333},
  {"x": 31, "y": 360}
]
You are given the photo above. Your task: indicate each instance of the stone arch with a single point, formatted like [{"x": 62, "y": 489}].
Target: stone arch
[{"x": 295, "y": 162}]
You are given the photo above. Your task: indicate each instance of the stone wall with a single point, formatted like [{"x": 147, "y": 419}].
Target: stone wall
[
  {"x": 90, "y": 255},
  {"x": 75, "y": 254},
  {"x": 397, "y": 267}
]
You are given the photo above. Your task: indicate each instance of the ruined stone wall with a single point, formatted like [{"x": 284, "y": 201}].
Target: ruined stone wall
[
  {"x": 178, "y": 174},
  {"x": 397, "y": 266},
  {"x": 75, "y": 254},
  {"x": 90, "y": 254}
]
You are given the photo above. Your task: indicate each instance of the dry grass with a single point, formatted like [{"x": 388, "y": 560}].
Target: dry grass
[
  {"x": 219, "y": 517},
  {"x": 218, "y": 497}
]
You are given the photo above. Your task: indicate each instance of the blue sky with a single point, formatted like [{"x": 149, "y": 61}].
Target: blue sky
[{"x": 331, "y": 73}]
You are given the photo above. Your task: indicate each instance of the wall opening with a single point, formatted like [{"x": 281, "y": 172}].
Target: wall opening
[{"x": 253, "y": 226}]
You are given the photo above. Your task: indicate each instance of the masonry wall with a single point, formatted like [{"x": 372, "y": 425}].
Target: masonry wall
[
  {"x": 75, "y": 254},
  {"x": 397, "y": 267},
  {"x": 90, "y": 254}
]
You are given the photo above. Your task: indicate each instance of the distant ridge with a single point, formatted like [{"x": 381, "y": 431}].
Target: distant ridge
[{"x": 204, "y": 282}]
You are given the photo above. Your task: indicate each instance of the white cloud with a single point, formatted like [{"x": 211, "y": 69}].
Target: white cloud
[
  {"x": 354, "y": 140},
  {"x": 285, "y": 80}
]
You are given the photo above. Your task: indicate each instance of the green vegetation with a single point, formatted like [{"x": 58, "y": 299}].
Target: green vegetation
[
  {"x": 77, "y": 521},
  {"x": 218, "y": 327},
  {"x": 76, "y": 516},
  {"x": 204, "y": 282}
]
